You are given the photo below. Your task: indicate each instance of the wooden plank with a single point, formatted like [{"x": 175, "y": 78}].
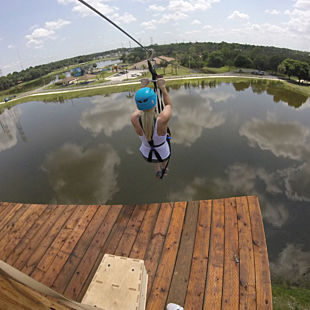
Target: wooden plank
[
  {"x": 52, "y": 229},
  {"x": 139, "y": 248},
  {"x": 25, "y": 249},
  {"x": 213, "y": 295},
  {"x": 65, "y": 275},
  {"x": 131, "y": 231},
  {"x": 16, "y": 296},
  {"x": 230, "y": 299},
  {"x": 180, "y": 279},
  {"x": 22, "y": 225},
  {"x": 31, "y": 233},
  {"x": 196, "y": 286},
  {"x": 10, "y": 211},
  {"x": 86, "y": 264},
  {"x": 58, "y": 242},
  {"x": 154, "y": 250},
  {"x": 158, "y": 297},
  {"x": 247, "y": 267},
  {"x": 4, "y": 208},
  {"x": 67, "y": 248},
  {"x": 263, "y": 282},
  {"x": 110, "y": 245},
  {"x": 8, "y": 221}
]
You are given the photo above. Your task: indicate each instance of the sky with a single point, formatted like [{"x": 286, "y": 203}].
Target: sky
[{"x": 35, "y": 32}]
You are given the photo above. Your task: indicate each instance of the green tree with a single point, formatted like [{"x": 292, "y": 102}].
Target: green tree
[
  {"x": 243, "y": 61},
  {"x": 216, "y": 59},
  {"x": 164, "y": 64},
  {"x": 288, "y": 67},
  {"x": 274, "y": 62}
]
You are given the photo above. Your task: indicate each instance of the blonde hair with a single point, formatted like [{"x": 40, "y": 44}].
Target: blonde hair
[{"x": 148, "y": 123}]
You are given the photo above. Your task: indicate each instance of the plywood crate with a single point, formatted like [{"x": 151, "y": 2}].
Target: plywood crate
[{"x": 119, "y": 283}]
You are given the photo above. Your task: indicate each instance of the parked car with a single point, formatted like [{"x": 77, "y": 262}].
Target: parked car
[{"x": 258, "y": 72}]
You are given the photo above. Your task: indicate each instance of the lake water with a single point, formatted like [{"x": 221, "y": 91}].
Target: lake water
[{"x": 228, "y": 140}]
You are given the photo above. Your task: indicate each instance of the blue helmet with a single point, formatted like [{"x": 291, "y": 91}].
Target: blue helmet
[{"x": 145, "y": 98}]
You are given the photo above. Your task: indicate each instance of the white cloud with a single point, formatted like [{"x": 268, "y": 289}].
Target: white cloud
[
  {"x": 151, "y": 24},
  {"x": 40, "y": 34},
  {"x": 126, "y": 18},
  {"x": 272, "y": 12},
  {"x": 192, "y": 32},
  {"x": 11, "y": 46},
  {"x": 157, "y": 8},
  {"x": 207, "y": 27},
  {"x": 302, "y": 4},
  {"x": 85, "y": 11},
  {"x": 299, "y": 22},
  {"x": 238, "y": 15},
  {"x": 190, "y": 5},
  {"x": 196, "y": 22},
  {"x": 166, "y": 18}
]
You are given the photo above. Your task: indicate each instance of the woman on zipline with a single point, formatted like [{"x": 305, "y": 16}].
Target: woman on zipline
[{"x": 152, "y": 128}]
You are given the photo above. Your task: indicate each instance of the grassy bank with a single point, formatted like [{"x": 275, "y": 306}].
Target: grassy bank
[
  {"x": 241, "y": 82},
  {"x": 287, "y": 297}
]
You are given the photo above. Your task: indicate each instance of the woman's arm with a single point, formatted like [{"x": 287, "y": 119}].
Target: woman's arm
[{"x": 167, "y": 111}]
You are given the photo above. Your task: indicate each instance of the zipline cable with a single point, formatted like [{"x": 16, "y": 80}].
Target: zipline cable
[
  {"x": 118, "y": 27},
  {"x": 149, "y": 53}
]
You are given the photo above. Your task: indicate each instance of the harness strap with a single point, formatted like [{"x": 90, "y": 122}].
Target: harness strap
[{"x": 153, "y": 147}]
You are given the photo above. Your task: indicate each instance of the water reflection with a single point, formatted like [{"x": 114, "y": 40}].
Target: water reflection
[
  {"x": 292, "y": 265},
  {"x": 79, "y": 175},
  {"x": 294, "y": 99},
  {"x": 249, "y": 182},
  {"x": 287, "y": 139},
  {"x": 194, "y": 112},
  {"x": 9, "y": 127},
  {"x": 108, "y": 115},
  {"x": 274, "y": 89},
  {"x": 297, "y": 182}
]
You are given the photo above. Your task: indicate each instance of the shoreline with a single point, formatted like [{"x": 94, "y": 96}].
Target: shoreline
[{"x": 110, "y": 85}]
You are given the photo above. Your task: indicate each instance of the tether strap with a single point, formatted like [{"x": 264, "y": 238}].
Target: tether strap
[{"x": 160, "y": 100}]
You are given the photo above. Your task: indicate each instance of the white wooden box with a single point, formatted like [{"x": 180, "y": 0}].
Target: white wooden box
[{"x": 120, "y": 283}]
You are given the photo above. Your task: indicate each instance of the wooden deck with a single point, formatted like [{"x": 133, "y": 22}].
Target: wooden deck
[{"x": 207, "y": 254}]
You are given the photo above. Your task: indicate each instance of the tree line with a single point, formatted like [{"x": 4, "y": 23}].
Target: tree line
[
  {"x": 200, "y": 55},
  {"x": 196, "y": 56},
  {"x": 32, "y": 73}
]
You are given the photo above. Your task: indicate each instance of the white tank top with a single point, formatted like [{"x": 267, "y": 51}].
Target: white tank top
[{"x": 163, "y": 149}]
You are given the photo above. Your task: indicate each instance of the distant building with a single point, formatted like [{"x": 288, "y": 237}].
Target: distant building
[
  {"x": 77, "y": 71},
  {"x": 86, "y": 78},
  {"x": 68, "y": 81},
  {"x": 143, "y": 64}
]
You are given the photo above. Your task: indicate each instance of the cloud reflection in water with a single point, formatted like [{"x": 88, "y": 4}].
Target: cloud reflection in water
[
  {"x": 79, "y": 175},
  {"x": 108, "y": 115},
  {"x": 194, "y": 112},
  {"x": 9, "y": 121}
]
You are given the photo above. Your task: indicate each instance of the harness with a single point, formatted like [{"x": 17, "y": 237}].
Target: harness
[{"x": 153, "y": 148}]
